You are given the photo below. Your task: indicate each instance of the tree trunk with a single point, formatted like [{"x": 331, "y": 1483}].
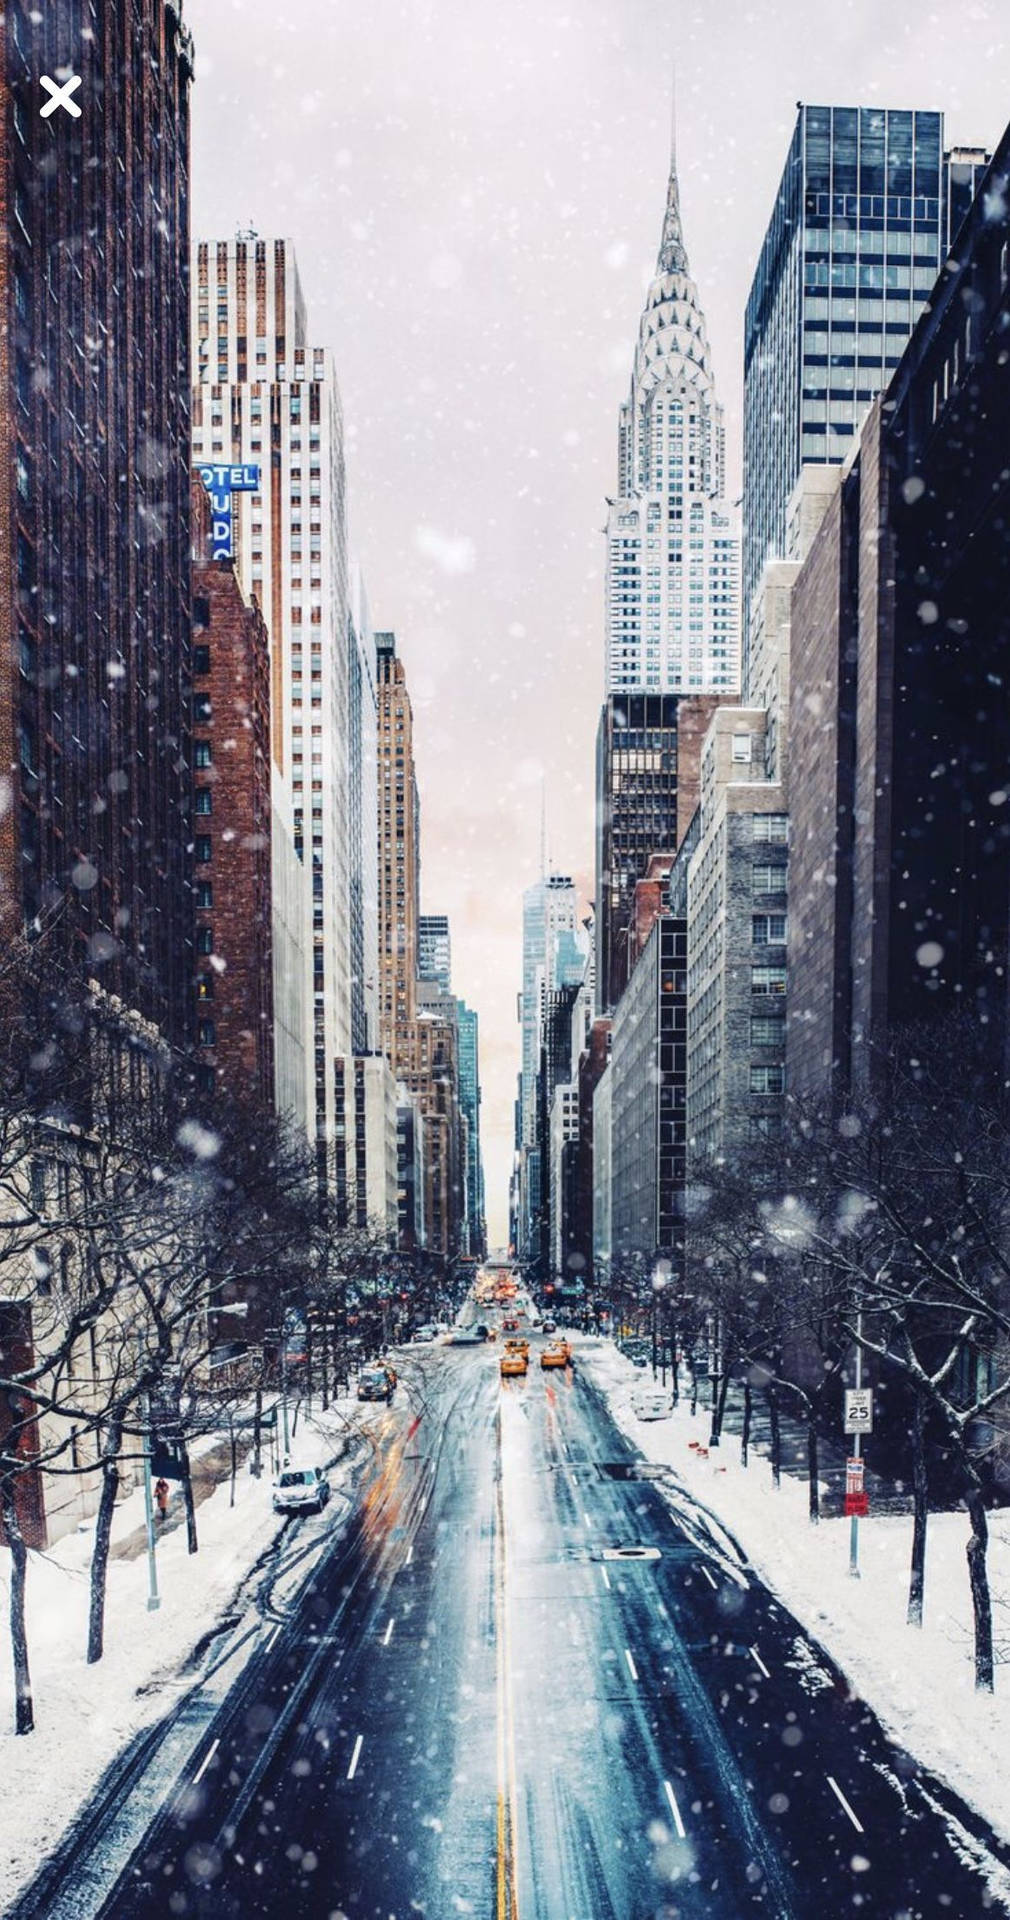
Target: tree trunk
[
  {"x": 234, "y": 1459},
  {"x": 112, "y": 1440},
  {"x": 310, "y": 1355},
  {"x": 324, "y": 1362},
  {"x": 24, "y": 1712},
  {"x": 192, "y": 1542},
  {"x": 920, "y": 1511},
  {"x": 775, "y": 1432},
  {"x": 694, "y": 1389},
  {"x": 674, "y": 1369},
  {"x": 813, "y": 1466},
  {"x": 745, "y": 1429},
  {"x": 978, "y": 1573},
  {"x": 720, "y": 1388}
]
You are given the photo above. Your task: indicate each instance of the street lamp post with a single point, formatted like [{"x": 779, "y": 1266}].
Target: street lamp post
[{"x": 153, "y": 1596}]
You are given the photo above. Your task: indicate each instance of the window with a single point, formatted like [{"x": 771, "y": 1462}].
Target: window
[
  {"x": 767, "y": 1079},
  {"x": 769, "y": 929},
  {"x": 204, "y": 800},
  {"x": 741, "y": 749},
  {"x": 205, "y": 986},
  {"x": 768, "y": 980},
  {"x": 205, "y": 939},
  {"x": 202, "y": 753},
  {"x": 768, "y": 879},
  {"x": 203, "y": 848},
  {"x": 771, "y": 828},
  {"x": 201, "y": 659},
  {"x": 205, "y": 1032},
  {"x": 205, "y": 894},
  {"x": 767, "y": 1031}
]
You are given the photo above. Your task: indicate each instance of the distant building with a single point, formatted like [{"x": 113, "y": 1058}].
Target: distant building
[
  {"x": 366, "y": 1183},
  {"x": 648, "y": 758},
  {"x": 434, "y": 950},
  {"x": 417, "y": 1019},
  {"x": 410, "y": 1168},
  {"x": 646, "y": 1080},
  {"x": 470, "y": 1102},
  {"x": 673, "y": 540}
]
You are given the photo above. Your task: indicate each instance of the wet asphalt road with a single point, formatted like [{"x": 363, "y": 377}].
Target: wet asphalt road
[{"x": 474, "y": 1711}]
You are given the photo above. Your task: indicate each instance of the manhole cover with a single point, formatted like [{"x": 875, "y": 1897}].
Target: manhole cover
[{"x": 631, "y": 1553}]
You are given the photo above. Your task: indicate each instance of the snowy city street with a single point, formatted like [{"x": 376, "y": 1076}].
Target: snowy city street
[
  {"x": 504, "y": 960},
  {"x": 515, "y": 1663}
]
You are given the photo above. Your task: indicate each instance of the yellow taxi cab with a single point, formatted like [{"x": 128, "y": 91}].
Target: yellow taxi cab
[
  {"x": 514, "y": 1362},
  {"x": 557, "y": 1354}
]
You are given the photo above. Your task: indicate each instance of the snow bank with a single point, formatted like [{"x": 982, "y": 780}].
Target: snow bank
[
  {"x": 85, "y": 1715},
  {"x": 902, "y": 1672}
]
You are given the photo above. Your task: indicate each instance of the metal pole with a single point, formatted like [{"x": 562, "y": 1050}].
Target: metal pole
[
  {"x": 284, "y": 1392},
  {"x": 857, "y": 1449},
  {"x": 153, "y": 1596}
]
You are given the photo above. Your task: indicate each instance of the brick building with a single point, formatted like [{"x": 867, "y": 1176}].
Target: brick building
[
  {"x": 95, "y": 504},
  {"x": 233, "y": 986}
]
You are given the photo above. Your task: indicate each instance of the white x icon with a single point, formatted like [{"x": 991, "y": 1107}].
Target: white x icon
[{"x": 60, "y": 96}]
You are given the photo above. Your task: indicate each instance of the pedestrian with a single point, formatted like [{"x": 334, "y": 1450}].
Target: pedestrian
[{"x": 161, "y": 1496}]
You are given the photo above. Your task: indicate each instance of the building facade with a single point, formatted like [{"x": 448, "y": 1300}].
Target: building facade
[
  {"x": 866, "y": 211},
  {"x": 366, "y": 1192},
  {"x": 902, "y": 835},
  {"x": 233, "y": 987},
  {"x": 418, "y": 1029},
  {"x": 267, "y": 397},
  {"x": 648, "y": 761},
  {"x": 673, "y": 540},
  {"x": 468, "y": 1025},
  {"x": 95, "y": 506},
  {"x": 646, "y": 1079},
  {"x": 434, "y": 949}
]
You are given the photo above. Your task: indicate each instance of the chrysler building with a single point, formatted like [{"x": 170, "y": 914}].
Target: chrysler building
[{"x": 673, "y": 541}]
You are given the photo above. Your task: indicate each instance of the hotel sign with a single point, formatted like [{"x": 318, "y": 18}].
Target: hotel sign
[{"x": 221, "y": 482}]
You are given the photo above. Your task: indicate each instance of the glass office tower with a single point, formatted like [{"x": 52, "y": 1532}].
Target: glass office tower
[{"x": 866, "y": 208}]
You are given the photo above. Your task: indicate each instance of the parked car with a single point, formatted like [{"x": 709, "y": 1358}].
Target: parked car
[
  {"x": 422, "y": 1335},
  {"x": 298, "y": 1488},
  {"x": 374, "y": 1383},
  {"x": 549, "y": 1326},
  {"x": 651, "y": 1404}
]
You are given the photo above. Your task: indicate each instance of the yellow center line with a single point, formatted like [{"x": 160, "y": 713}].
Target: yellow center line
[{"x": 507, "y": 1888}]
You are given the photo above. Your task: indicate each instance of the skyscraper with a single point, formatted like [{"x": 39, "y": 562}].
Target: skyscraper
[
  {"x": 469, "y": 1100},
  {"x": 864, "y": 216},
  {"x": 362, "y": 816},
  {"x": 554, "y": 956},
  {"x": 268, "y": 398},
  {"x": 95, "y": 519},
  {"x": 648, "y": 755},
  {"x": 420, "y": 1041},
  {"x": 434, "y": 949},
  {"x": 673, "y": 541}
]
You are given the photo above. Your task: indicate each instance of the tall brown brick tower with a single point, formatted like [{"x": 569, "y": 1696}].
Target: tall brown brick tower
[{"x": 94, "y": 494}]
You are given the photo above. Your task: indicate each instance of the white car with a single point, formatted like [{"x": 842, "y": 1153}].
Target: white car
[
  {"x": 299, "y": 1488},
  {"x": 652, "y": 1405}
]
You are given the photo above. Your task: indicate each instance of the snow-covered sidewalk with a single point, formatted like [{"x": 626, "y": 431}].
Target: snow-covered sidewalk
[
  {"x": 920, "y": 1683},
  {"x": 86, "y": 1715}
]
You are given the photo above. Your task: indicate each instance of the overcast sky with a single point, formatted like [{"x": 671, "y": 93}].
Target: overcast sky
[{"x": 476, "y": 192}]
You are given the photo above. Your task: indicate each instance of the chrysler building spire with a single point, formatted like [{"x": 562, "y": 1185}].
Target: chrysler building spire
[{"x": 673, "y": 542}]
